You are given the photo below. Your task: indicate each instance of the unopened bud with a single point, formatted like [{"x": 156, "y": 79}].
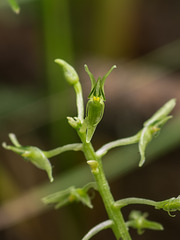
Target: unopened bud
[{"x": 69, "y": 72}]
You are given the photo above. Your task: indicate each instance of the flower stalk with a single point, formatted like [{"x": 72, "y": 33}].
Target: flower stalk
[
  {"x": 119, "y": 227},
  {"x": 85, "y": 128}
]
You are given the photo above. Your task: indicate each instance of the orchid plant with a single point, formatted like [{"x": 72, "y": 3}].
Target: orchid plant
[{"x": 85, "y": 128}]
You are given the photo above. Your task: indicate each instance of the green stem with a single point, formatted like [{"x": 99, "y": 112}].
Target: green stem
[
  {"x": 79, "y": 101},
  {"x": 98, "y": 228},
  {"x": 68, "y": 147},
  {"x": 120, "y": 142},
  {"x": 169, "y": 205},
  {"x": 126, "y": 201},
  {"x": 119, "y": 228}
]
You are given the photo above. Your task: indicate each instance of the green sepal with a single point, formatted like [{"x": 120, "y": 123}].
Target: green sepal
[
  {"x": 94, "y": 114},
  {"x": 71, "y": 195},
  {"x": 105, "y": 76},
  {"x": 138, "y": 221},
  {"x": 93, "y": 81},
  {"x": 97, "y": 87},
  {"x": 98, "y": 90},
  {"x": 69, "y": 72},
  {"x": 30, "y": 153}
]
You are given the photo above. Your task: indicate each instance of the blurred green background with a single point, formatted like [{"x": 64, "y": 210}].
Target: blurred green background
[{"x": 143, "y": 39}]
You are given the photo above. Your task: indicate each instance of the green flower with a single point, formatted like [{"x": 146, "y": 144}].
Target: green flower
[
  {"x": 138, "y": 221},
  {"x": 95, "y": 105},
  {"x": 153, "y": 126},
  {"x": 71, "y": 195},
  {"x": 32, "y": 154}
]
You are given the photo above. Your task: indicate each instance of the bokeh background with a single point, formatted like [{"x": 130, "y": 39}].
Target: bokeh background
[{"x": 143, "y": 39}]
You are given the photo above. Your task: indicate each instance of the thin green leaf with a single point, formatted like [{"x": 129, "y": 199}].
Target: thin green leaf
[{"x": 14, "y": 5}]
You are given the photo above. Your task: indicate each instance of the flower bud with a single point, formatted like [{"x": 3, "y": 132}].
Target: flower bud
[
  {"x": 95, "y": 105},
  {"x": 170, "y": 205},
  {"x": 153, "y": 126},
  {"x": 162, "y": 113},
  {"x": 32, "y": 154},
  {"x": 69, "y": 72}
]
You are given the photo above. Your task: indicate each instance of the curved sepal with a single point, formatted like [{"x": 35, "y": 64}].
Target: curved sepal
[
  {"x": 97, "y": 87},
  {"x": 91, "y": 76}
]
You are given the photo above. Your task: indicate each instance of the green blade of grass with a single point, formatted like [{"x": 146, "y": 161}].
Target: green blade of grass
[{"x": 14, "y": 5}]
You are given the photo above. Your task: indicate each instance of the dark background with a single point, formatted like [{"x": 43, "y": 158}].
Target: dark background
[{"x": 143, "y": 39}]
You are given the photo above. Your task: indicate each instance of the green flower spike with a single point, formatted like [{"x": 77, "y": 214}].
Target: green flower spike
[
  {"x": 70, "y": 195},
  {"x": 153, "y": 125},
  {"x": 95, "y": 105},
  {"x": 32, "y": 154},
  {"x": 138, "y": 221}
]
